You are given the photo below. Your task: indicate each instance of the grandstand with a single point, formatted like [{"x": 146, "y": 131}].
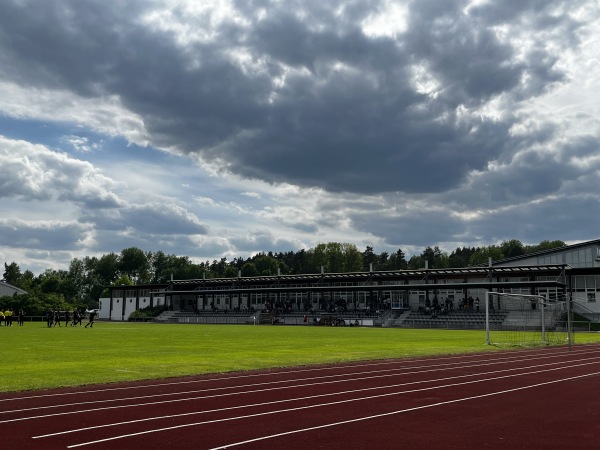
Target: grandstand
[
  {"x": 263, "y": 317},
  {"x": 431, "y": 298}
]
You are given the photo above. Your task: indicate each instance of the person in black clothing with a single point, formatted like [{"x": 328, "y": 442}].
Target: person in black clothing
[
  {"x": 78, "y": 318},
  {"x": 21, "y": 317},
  {"x": 91, "y": 320}
]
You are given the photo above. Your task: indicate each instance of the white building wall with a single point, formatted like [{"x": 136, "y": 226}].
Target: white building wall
[
  {"x": 104, "y": 312},
  {"x": 117, "y": 309},
  {"x": 130, "y": 306},
  {"x": 144, "y": 302},
  {"x": 130, "y": 302}
]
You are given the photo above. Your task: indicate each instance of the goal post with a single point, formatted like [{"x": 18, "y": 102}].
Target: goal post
[{"x": 514, "y": 319}]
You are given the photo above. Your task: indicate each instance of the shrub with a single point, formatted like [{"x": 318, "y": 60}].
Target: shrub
[{"x": 148, "y": 312}]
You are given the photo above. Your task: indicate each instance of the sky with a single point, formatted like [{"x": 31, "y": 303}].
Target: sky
[{"x": 226, "y": 128}]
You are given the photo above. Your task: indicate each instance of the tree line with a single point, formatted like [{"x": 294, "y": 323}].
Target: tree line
[{"x": 87, "y": 278}]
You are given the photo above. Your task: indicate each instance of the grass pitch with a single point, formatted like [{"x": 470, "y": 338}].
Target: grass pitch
[{"x": 37, "y": 357}]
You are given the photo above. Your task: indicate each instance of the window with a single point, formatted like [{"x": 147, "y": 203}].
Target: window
[
  {"x": 580, "y": 258},
  {"x": 590, "y": 282}
]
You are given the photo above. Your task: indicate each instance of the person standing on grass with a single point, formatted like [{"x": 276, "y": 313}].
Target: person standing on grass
[
  {"x": 67, "y": 318},
  {"x": 21, "y": 317},
  {"x": 57, "y": 318},
  {"x": 91, "y": 320}
]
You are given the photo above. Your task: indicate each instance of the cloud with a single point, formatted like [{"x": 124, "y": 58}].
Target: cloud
[
  {"x": 47, "y": 235},
  {"x": 301, "y": 95},
  {"x": 80, "y": 143},
  {"x": 161, "y": 219},
  {"x": 34, "y": 172},
  {"x": 33, "y": 175},
  {"x": 244, "y": 126},
  {"x": 263, "y": 240}
]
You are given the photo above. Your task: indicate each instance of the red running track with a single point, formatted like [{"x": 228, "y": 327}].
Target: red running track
[{"x": 527, "y": 399}]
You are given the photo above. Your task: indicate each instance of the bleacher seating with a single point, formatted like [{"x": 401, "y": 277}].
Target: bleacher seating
[{"x": 451, "y": 320}]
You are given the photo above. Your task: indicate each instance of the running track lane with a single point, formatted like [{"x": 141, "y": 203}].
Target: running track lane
[{"x": 547, "y": 398}]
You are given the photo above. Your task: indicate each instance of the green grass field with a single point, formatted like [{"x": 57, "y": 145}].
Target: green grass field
[{"x": 37, "y": 357}]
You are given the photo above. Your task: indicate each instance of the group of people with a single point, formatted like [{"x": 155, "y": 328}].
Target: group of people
[
  {"x": 74, "y": 319},
  {"x": 6, "y": 317},
  {"x": 442, "y": 307}
]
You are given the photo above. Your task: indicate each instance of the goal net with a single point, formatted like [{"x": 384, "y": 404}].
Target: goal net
[{"x": 525, "y": 320}]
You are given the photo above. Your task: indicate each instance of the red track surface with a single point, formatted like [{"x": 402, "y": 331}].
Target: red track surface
[{"x": 525, "y": 399}]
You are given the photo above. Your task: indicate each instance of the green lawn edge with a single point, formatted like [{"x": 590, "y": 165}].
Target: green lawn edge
[{"x": 38, "y": 357}]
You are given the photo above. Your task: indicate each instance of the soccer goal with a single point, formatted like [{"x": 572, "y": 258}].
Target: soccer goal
[{"x": 526, "y": 320}]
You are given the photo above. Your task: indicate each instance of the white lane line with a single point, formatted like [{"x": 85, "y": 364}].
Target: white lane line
[
  {"x": 156, "y": 430},
  {"x": 553, "y": 352},
  {"x": 394, "y": 372},
  {"x": 212, "y": 396},
  {"x": 329, "y": 395},
  {"x": 303, "y": 398},
  {"x": 377, "y": 416}
]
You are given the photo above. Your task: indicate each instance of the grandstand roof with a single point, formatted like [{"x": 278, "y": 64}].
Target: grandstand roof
[
  {"x": 424, "y": 279},
  {"x": 8, "y": 289}
]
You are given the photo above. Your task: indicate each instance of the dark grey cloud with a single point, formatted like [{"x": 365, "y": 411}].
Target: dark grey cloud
[
  {"x": 555, "y": 218},
  {"x": 49, "y": 235},
  {"x": 259, "y": 241},
  {"x": 560, "y": 166},
  {"x": 148, "y": 219},
  {"x": 319, "y": 103},
  {"x": 438, "y": 134},
  {"x": 114, "y": 241},
  {"x": 421, "y": 227},
  {"x": 163, "y": 219},
  {"x": 472, "y": 63}
]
